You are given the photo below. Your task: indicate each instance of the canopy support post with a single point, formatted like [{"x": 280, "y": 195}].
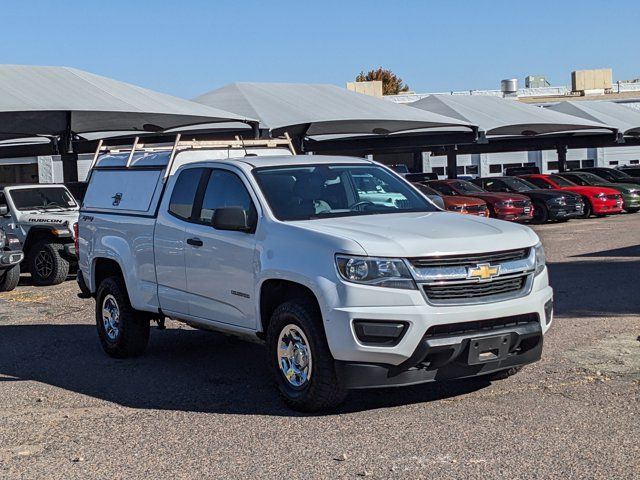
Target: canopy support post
[
  {"x": 452, "y": 164},
  {"x": 68, "y": 157},
  {"x": 562, "y": 158}
]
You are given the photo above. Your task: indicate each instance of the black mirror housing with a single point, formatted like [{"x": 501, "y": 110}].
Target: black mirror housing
[{"x": 231, "y": 218}]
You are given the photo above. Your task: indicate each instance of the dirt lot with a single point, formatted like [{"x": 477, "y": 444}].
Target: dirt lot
[{"x": 201, "y": 405}]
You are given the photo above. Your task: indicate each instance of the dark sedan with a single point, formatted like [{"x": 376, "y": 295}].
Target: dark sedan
[
  {"x": 547, "y": 204},
  {"x": 610, "y": 174}
]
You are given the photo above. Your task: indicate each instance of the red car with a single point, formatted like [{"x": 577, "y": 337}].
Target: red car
[
  {"x": 505, "y": 206},
  {"x": 597, "y": 200}
]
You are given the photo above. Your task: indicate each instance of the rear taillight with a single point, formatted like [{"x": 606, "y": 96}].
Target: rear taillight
[{"x": 75, "y": 239}]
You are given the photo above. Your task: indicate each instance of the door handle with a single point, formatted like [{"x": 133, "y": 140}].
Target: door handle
[{"x": 196, "y": 242}]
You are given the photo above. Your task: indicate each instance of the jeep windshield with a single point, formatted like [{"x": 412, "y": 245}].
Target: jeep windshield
[
  {"x": 50, "y": 198},
  {"x": 321, "y": 191}
]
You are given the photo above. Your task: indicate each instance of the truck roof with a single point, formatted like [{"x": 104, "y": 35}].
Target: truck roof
[{"x": 283, "y": 161}]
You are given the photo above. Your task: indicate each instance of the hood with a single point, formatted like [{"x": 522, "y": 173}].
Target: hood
[
  {"x": 460, "y": 200},
  {"x": 544, "y": 194},
  {"x": 424, "y": 234},
  {"x": 50, "y": 218},
  {"x": 622, "y": 187},
  {"x": 586, "y": 190},
  {"x": 500, "y": 197}
]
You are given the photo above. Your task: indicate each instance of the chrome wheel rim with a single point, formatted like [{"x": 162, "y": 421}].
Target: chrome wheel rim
[
  {"x": 294, "y": 356},
  {"x": 111, "y": 318},
  {"x": 44, "y": 263}
]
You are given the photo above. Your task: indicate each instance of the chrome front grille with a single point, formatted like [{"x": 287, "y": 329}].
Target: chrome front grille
[
  {"x": 470, "y": 260},
  {"x": 522, "y": 203},
  {"x": 475, "y": 278},
  {"x": 453, "y": 291},
  {"x": 476, "y": 208}
]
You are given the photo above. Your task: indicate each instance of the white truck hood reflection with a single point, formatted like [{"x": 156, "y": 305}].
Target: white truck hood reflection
[{"x": 424, "y": 234}]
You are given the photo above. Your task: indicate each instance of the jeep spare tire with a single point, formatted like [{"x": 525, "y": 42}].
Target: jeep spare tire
[{"x": 46, "y": 265}]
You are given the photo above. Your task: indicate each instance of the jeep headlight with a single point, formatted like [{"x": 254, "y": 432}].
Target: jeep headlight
[
  {"x": 541, "y": 258},
  {"x": 379, "y": 272}
]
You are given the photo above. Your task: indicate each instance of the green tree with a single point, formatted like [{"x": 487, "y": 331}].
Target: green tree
[{"x": 391, "y": 83}]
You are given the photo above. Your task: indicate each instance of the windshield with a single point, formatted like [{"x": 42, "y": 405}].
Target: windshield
[
  {"x": 321, "y": 191},
  {"x": 519, "y": 185},
  {"x": 42, "y": 199},
  {"x": 563, "y": 182},
  {"x": 618, "y": 174},
  {"x": 463, "y": 187},
  {"x": 592, "y": 179}
]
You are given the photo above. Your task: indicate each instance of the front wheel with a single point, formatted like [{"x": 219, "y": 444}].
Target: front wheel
[
  {"x": 300, "y": 360},
  {"x": 540, "y": 213},
  {"x": 633, "y": 210},
  {"x": 588, "y": 209},
  {"x": 123, "y": 331},
  {"x": 10, "y": 279},
  {"x": 46, "y": 265}
]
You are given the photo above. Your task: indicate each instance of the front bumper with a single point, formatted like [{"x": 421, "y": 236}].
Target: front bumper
[
  {"x": 10, "y": 258},
  {"x": 566, "y": 211},
  {"x": 607, "y": 206},
  {"x": 631, "y": 201},
  {"x": 514, "y": 214},
  {"x": 442, "y": 357},
  {"x": 409, "y": 307}
]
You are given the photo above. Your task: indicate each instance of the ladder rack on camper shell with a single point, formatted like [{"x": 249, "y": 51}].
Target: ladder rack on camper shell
[{"x": 180, "y": 145}]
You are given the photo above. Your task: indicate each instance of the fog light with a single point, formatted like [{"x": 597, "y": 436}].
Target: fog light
[
  {"x": 548, "y": 312},
  {"x": 379, "y": 332}
]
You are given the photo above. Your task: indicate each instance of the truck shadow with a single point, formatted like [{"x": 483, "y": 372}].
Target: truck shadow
[
  {"x": 592, "y": 288},
  {"x": 183, "y": 369}
]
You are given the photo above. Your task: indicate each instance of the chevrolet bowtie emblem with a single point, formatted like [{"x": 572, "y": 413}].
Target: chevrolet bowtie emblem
[{"x": 483, "y": 271}]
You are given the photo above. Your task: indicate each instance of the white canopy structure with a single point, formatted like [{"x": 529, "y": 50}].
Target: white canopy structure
[
  {"x": 318, "y": 109},
  {"x": 625, "y": 119},
  {"x": 57, "y": 100},
  {"x": 503, "y": 117}
]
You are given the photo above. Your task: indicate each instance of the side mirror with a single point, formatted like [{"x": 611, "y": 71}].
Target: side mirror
[
  {"x": 231, "y": 218},
  {"x": 4, "y": 210}
]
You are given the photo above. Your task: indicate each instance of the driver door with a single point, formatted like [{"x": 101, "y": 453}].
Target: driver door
[{"x": 221, "y": 264}]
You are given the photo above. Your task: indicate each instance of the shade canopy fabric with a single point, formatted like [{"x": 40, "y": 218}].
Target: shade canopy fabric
[
  {"x": 318, "y": 109},
  {"x": 52, "y": 100},
  {"x": 503, "y": 117},
  {"x": 625, "y": 119}
]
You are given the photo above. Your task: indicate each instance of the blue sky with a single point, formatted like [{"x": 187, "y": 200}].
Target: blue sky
[{"x": 187, "y": 47}]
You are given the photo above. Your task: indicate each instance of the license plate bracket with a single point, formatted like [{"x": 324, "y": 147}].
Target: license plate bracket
[{"x": 488, "y": 349}]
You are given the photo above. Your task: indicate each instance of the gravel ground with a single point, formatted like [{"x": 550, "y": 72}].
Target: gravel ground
[{"x": 201, "y": 405}]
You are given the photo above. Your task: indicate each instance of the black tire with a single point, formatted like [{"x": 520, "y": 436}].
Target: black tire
[
  {"x": 10, "y": 279},
  {"x": 540, "y": 213},
  {"x": 633, "y": 210},
  {"x": 323, "y": 390},
  {"x": 502, "y": 374},
  {"x": 46, "y": 265},
  {"x": 492, "y": 212},
  {"x": 588, "y": 209},
  {"x": 133, "y": 327}
]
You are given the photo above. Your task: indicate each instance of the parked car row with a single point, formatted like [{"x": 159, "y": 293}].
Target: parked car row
[{"x": 539, "y": 198}]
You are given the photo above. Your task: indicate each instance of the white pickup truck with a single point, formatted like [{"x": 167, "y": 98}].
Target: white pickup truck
[
  {"x": 346, "y": 292},
  {"x": 42, "y": 216}
]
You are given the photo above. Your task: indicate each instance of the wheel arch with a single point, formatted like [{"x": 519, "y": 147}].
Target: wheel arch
[{"x": 274, "y": 292}]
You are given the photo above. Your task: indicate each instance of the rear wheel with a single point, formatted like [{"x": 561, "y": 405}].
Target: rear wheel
[
  {"x": 588, "y": 209},
  {"x": 10, "y": 279},
  {"x": 540, "y": 213},
  {"x": 123, "y": 331},
  {"x": 46, "y": 265},
  {"x": 300, "y": 360}
]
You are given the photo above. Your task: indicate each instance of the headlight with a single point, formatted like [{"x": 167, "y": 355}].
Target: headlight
[
  {"x": 381, "y": 272},
  {"x": 600, "y": 196},
  {"x": 505, "y": 204},
  {"x": 541, "y": 258},
  {"x": 560, "y": 201}
]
